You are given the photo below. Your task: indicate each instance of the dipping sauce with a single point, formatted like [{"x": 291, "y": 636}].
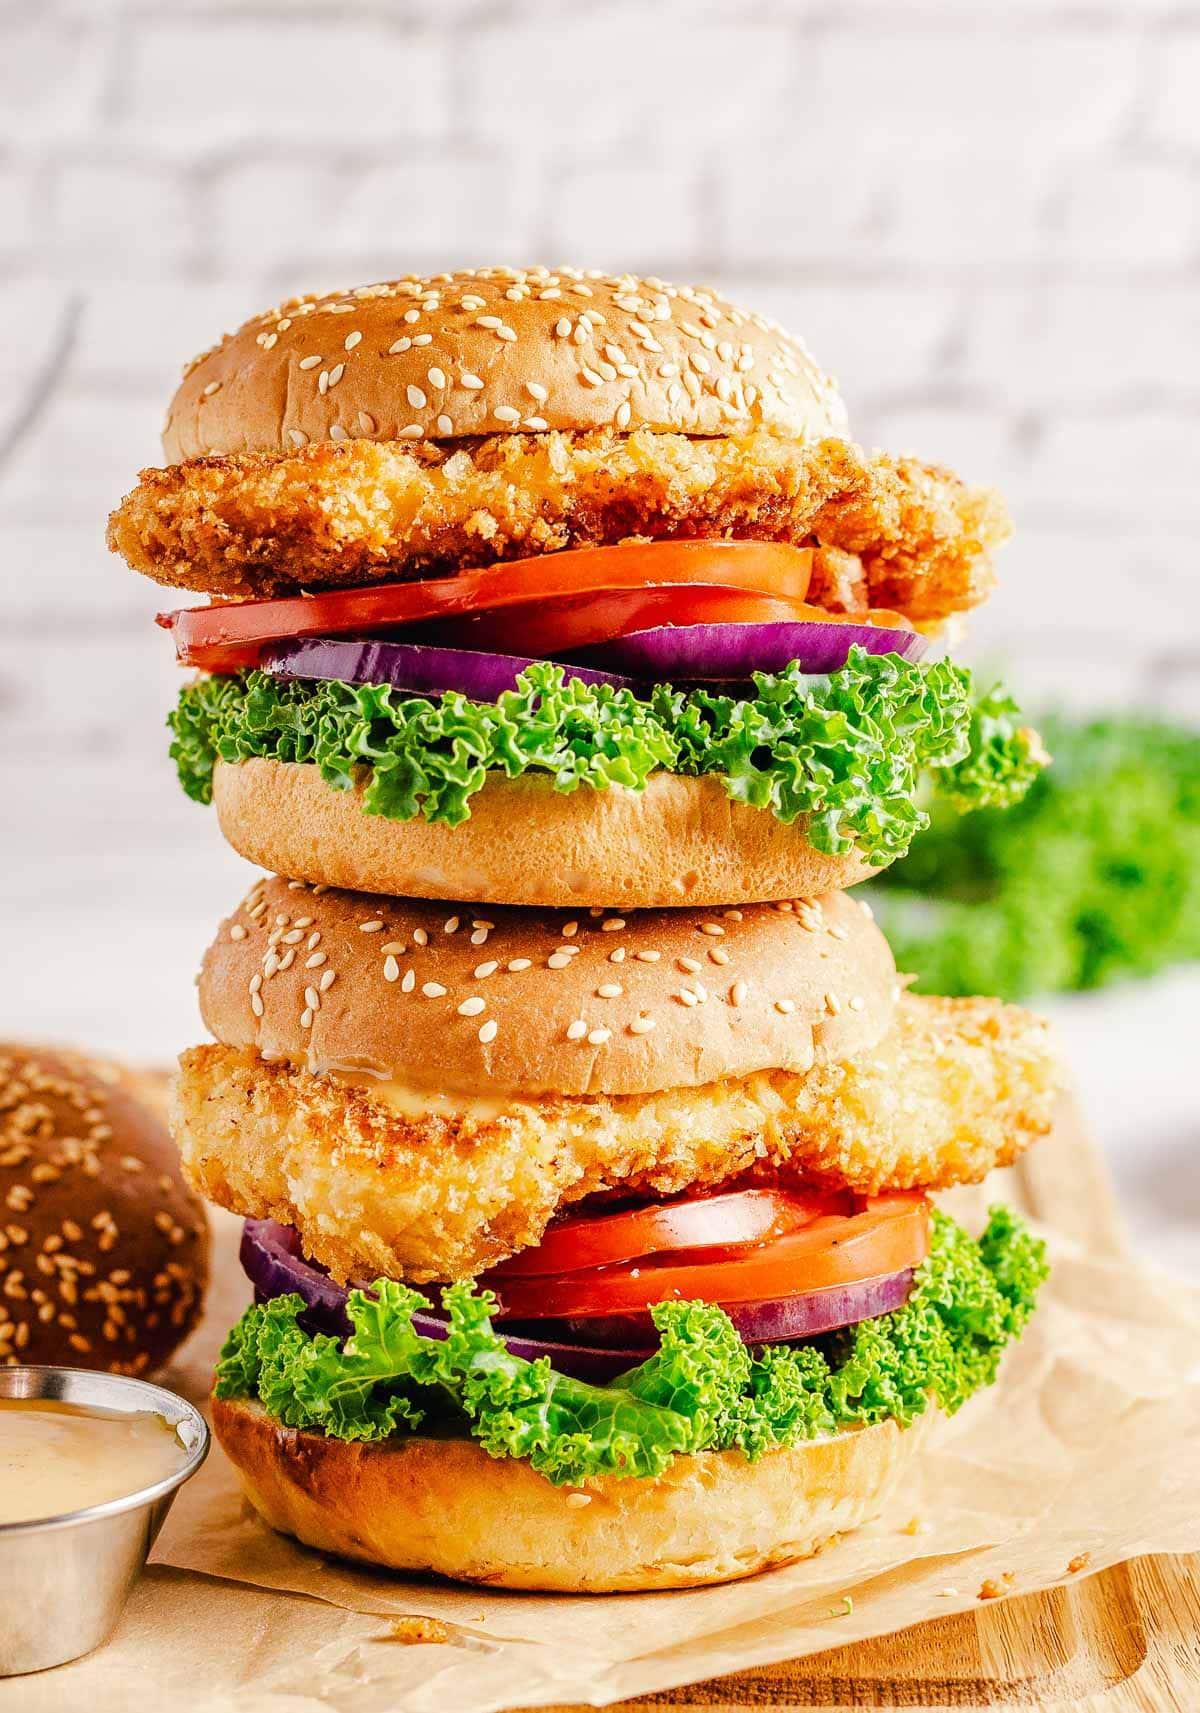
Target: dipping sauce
[{"x": 57, "y": 1457}]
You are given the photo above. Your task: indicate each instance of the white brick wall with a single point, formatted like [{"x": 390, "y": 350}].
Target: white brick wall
[{"x": 986, "y": 220}]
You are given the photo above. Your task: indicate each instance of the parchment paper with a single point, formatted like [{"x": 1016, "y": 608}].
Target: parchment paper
[{"x": 1089, "y": 1445}]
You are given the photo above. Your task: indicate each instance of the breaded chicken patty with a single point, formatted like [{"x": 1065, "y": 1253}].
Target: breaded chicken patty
[
  {"x": 888, "y": 532},
  {"x": 956, "y": 1087}
]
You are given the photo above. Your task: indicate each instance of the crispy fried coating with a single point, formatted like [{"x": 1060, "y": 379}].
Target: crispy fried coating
[
  {"x": 956, "y": 1087},
  {"x": 890, "y": 532}
]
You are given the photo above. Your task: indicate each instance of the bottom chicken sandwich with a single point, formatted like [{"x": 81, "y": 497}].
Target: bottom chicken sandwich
[{"x": 596, "y": 1252}]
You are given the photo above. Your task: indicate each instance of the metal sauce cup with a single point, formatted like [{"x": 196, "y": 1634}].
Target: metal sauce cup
[{"x": 66, "y": 1578}]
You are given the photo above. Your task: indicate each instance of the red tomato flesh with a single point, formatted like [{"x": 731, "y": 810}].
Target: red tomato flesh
[
  {"x": 864, "y": 1238},
  {"x": 228, "y": 636}
]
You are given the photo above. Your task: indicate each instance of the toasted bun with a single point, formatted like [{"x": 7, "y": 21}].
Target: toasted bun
[
  {"x": 679, "y": 841},
  {"x": 105, "y": 1250},
  {"x": 481, "y": 352},
  {"x": 444, "y": 997},
  {"x": 444, "y": 1505}
]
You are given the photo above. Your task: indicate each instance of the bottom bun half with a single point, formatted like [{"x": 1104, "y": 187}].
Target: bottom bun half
[
  {"x": 679, "y": 841},
  {"x": 444, "y": 1505}
]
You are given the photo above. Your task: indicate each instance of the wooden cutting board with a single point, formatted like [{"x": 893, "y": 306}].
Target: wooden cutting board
[{"x": 1125, "y": 1639}]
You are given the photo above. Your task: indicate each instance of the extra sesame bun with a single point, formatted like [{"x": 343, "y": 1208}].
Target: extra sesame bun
[
  {"x": 444, "y": 1505},
  {"x": 679, "y": 841},
  {"x": 435, "y": 996},
  {"x": 494, "y": 350},
  {"x": 103, "y": 1248}
]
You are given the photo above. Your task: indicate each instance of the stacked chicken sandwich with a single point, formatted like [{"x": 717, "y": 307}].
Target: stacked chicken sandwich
[{"x": 566, "y": 663}]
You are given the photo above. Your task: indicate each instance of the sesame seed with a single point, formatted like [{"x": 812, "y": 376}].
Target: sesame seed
[
  {"x": 536, "y": 390},
  {"x": 685, "y": 996},
  {"x": 451, "y": 925},
  {"x": 366, "y": 422},
  {"x": 393, "y": 350},
  {"x": 483, "y": 970},
  {"x": 315, "y": 961},
  {"x": 732, "y": 915},
  {"x": 472, "y": 1007},
  {"x": 433, "y": 990},
  {"x": 642, "y": 1024},
  {"x": 569, "y": 930},
  {"x": 472, "y": 382},
  {"x": 256, "y": 982},
  {"x": 624, "y": 412},
  {"x": 613, "y": 925},
  {"x": 336, "y": 431},
  {"x": 256, "y": 1004},
  {"x": 836, "y": 933},
  {"x": 312, "y": 999},
  {"x": 785, "y": 1006},
  {"x": 409, "y": 982},
  {"x": 610, "y": 990},
  {"x": 336, "y": 373},
  {"x": 833, "y": 1004},
  {"x": 445, "y": 425},
  {"x": 516, "y": 964},
  {"x": 714, "y": 929},
  {"x": 420, "y": 937},
  {"x": 306, "y": 1020},
  {"x": 647, "y": 957},
  {"x": 597, "y": 1037},
  {"x": 617, "y": 955},
  {"x": 393, "y": 947},
  {"x": 718, "y": 955},
  {"x": 327, "y": 980},
  {"x": 237, "y": 932},
  {"x": 857, "y": 1002},
  {"x": 690, "y": 966},
  {"x": 558, "y": 961},
  {"x": 737, "y": 993},
  {"x": 488, "y": 1031},
  {"x": 506, "y": 413},
  {"x": 369, "y": 927},
  {"x": 211, "y": 388},
  {"x": 353, "y": 339},
  {"x": 415, "y": 397},
  {"x": 577, "y": 1030},
  {"x": 391, "y": 970}
]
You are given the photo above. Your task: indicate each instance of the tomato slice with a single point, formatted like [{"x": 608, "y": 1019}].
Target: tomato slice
[
  {"x": 885, "y": 1234},
  {"x": 737, "y": 1219},
  {"x": 228, "y": 635},
  {"x": 561, "y": 625}
]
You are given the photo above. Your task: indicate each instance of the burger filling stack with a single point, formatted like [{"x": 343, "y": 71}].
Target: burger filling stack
[{"x": 565, "y": 664}]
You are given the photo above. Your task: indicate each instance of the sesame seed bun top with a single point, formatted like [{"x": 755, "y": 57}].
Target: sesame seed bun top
[
  {"x": 493, "y": 351},
  {"x": 486, "y": 1000},
  {"x": 103, "y": 1248}
]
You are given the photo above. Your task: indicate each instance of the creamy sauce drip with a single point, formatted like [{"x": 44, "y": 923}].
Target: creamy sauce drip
[
  {"x": 409, "y": 1102},
  {"x": 57, "y": 1457}
]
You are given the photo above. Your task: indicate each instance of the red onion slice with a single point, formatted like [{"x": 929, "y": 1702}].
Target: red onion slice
[
  {"x": 414, "y": 666},
  {"x": 271, "y": 1256},
  {"x": 733, "y": 651},
  {"x": 775, "y": 1322}
]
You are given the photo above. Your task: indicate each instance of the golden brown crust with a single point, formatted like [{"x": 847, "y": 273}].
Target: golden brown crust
[
  {"x": 890, "y": 532},
  {"x": 443, "y": 1505},
  {"x": 463, "y": 354},
  {"x": 427, "y": 994},
  {"x": 678, "y": 842},
  {"x": 104, "y": 1247},
  {"x": 955, "y": 1088}
]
